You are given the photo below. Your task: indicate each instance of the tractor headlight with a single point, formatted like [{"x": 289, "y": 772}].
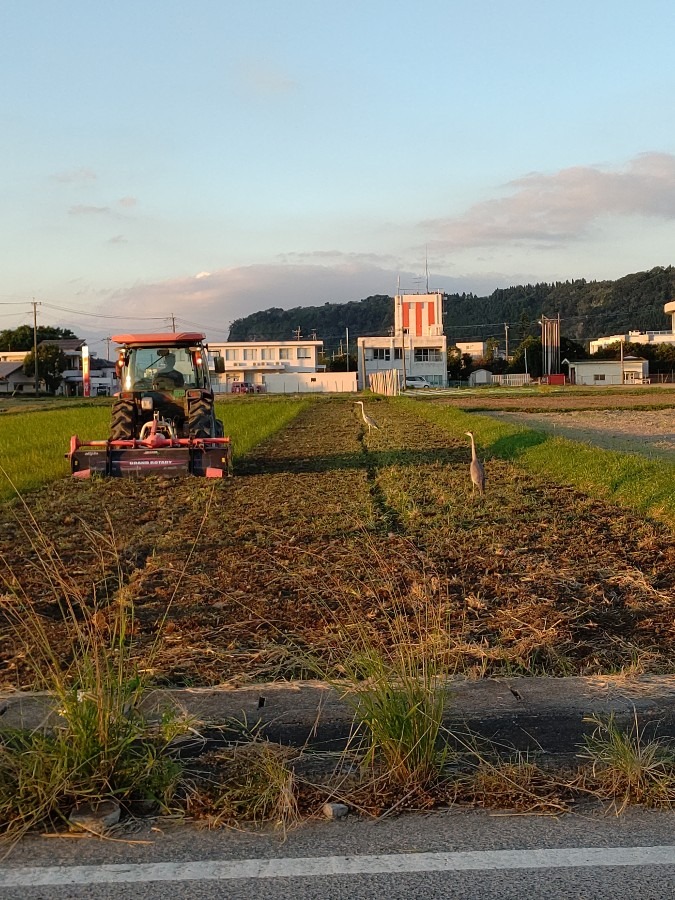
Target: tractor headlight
[{"x": 146, "y": 403}]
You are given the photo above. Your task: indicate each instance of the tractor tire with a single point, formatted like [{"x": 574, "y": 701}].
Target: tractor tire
[
  {"x": 123, "y": 420},
  {"x": 201, "y": 422},
  {"x": 220, "y": 430}
]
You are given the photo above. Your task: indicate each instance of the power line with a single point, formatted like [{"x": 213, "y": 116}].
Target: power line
[
  {"x": 207, "y": 328},
  {"x": 119, "y": 317}
]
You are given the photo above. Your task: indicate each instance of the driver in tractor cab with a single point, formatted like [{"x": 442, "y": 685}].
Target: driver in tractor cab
[{"x": 166, "y": 371}]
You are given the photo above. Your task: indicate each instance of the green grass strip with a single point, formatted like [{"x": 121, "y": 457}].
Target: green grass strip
[
  {"x": 643, "y": 485},
  {"x": 33, "y": 444}
]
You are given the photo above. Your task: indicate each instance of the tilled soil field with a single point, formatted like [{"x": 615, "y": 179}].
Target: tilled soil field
[
  {"x": 545, "y": 400},
  {"x": 649, "y": 432},
  {"x": 327, "y": 529}
]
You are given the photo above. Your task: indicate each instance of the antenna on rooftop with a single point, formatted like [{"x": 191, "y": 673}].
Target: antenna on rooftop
[{"x": 426, "y": 263}]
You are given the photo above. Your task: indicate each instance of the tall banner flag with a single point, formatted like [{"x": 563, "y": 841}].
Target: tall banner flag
[{"x": 86, "y": 379}]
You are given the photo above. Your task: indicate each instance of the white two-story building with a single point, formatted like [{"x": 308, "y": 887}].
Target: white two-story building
[
  {"x": 417, "y": 345},
  {"x": 276, "y": 367}
]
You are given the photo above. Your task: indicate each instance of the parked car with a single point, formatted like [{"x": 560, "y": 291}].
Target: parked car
[
  {"x": 247, "y": 387},
  {"x": 416, "y": 381},
  {"x": 243, "y": 387}
]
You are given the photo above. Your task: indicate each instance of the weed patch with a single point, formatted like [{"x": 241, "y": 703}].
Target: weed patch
[{"x": 100, "y": 746}]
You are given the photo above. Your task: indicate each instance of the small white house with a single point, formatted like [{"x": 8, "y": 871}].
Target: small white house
[
  {"x": 600, "y": 372},
  {"x": 13, "y": 380}
]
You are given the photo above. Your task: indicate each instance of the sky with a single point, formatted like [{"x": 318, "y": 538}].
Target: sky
[{"x": 205, "y": 160}]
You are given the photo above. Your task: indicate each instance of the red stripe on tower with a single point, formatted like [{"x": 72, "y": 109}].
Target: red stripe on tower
[
  {"x": 432, "y": 313},
  {"x": 405, "y": 308}
]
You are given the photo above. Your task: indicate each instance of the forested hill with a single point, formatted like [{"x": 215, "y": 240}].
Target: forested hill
[
  {"x": 588, "y": 309},
  {"x": 374, "y": 315}
]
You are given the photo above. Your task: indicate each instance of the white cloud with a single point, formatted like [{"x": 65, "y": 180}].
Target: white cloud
[
  {"x": 263, "y": 79},
  {"x": 76, "y": 176},
  {"x": 82, "y": 210},
  {"x": 562, "y": 207},
  {"x": 219, "y": 297}
]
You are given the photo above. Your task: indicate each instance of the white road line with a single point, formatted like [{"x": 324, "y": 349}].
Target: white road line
[{"x": 313, "y": 866}]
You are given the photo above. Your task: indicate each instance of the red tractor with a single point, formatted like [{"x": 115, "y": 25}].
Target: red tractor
[{"x": 163, "y": 420}]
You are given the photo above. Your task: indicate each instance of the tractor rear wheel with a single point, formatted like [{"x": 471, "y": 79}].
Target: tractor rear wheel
[
  {"x": 123, "y": 420},
  {"x": 201, "y": 422},
  {"x": 220, "y": 429}
]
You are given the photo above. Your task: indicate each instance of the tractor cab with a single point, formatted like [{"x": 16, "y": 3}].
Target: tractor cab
[{"x": 167, "y": 368}]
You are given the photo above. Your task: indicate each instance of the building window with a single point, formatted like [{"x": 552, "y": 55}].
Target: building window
[
  {"x": 265, "y": 354},
  {"x": 381, "y": 353},
  {"x": 398, "y": 353},
  {"x": 304, "y": 353},
  {"x": 427, "y": 354},
  {"x": 598, "y": 378},
  {"x": 231, "y": 355},
  {"x": 284, "y": 353},
  {"x": 249, "y": 353}
]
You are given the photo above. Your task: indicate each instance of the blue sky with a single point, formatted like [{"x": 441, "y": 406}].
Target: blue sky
[{"x": 213, "y": 158}]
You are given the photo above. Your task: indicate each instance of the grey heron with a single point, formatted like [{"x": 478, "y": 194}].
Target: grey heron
[
  {"x": 476, "y": 469},
  {"x": 370, "y": 422}
]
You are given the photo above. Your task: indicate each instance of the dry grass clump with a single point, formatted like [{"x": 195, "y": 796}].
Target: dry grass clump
[
  {"x": 516, "y": 784},
  {"x": 628, "y": 768},
  {"x": 252, "y": 782}
]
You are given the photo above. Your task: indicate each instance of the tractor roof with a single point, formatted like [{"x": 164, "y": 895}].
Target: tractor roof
[{"x": 161, "y": 339}]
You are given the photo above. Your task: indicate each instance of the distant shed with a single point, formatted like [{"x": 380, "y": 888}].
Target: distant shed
[
  {"x": 599, "y": 372},
  {"x": 480, "y": 376}
]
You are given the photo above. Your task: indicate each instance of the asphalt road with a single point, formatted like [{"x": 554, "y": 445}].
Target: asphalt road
[{"x": 590, "y": 854}]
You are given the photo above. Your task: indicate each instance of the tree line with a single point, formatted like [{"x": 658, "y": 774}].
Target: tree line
[{"x": 588, "y": 309}]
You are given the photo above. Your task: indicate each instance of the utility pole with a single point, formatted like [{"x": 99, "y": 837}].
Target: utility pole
[
  {"x": 35, "y": 356},
  {"x": 506, "y": 339},
  {"x": 107, "y": 348},
  {"x": 298, "y": 333},
  {"x": 173, "y": 323},
  {"x": 347, "y": 339}
]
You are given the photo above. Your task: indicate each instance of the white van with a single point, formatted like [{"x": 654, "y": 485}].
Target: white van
[{"x": 416, "y": 381}]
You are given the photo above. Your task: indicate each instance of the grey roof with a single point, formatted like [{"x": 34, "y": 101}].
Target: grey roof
[
  {"x": 64, "y": 344},
  {"x": 8, "y": 368},
  {"x": 96, "y": 363},
  {"x": 603, "y": 362}
]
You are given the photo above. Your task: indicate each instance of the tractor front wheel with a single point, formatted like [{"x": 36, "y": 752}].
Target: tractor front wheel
[
  {"x": 200, "y": 419},
  {"x": 123, "y": 420}
]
